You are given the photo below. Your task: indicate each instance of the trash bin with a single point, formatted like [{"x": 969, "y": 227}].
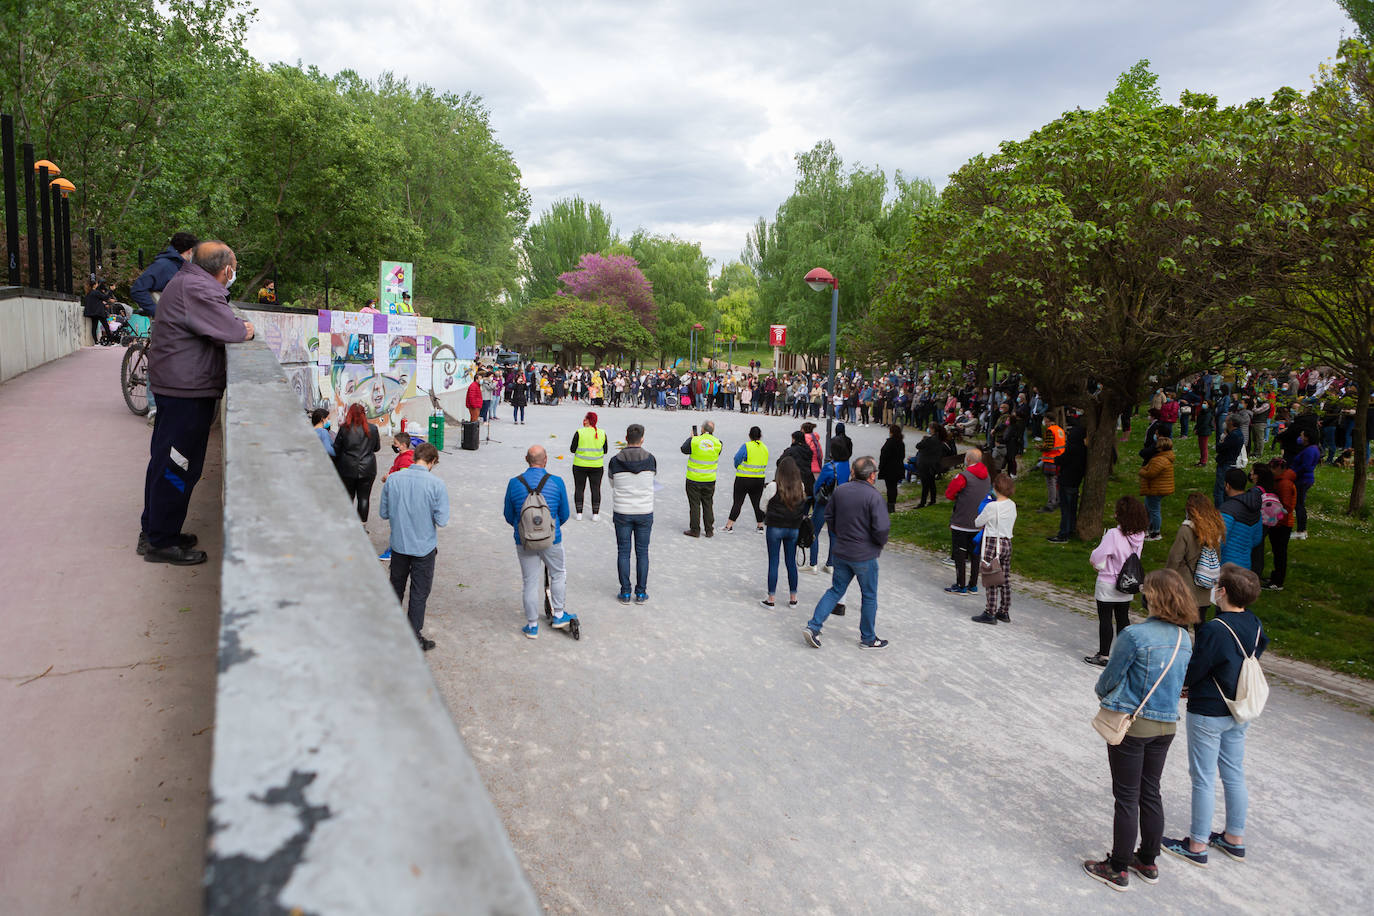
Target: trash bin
[
  {"x": 472, "y": 434},
  {"x": 436, "y": 431}
]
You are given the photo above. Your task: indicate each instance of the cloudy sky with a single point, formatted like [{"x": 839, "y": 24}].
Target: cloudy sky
[{"x": 683, "y": 117}]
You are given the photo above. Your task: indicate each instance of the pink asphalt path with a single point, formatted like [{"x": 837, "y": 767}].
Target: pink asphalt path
[{"x": 107, "y": 665}]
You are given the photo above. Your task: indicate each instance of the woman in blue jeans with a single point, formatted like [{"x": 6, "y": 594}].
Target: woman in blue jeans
[
  {"x": 783, "y": 517},
  {"x": 1216, "y": 741},
  {"x": 1143, "y": 679}
]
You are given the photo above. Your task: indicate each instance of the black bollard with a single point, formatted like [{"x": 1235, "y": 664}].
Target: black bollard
[
  {"x": 11, "y": 200},
  {"x": 31, "y": 216}
]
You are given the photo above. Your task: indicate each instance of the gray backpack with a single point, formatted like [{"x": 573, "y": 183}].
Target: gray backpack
[{"x": 536, "y": 521}]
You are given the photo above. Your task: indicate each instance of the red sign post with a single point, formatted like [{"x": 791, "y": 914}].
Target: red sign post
[{"x": 777, "y": 335}]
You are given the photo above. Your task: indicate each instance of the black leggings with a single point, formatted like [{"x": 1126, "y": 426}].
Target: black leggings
[
  {"x": 1106, "y": 610},
  {"x": 751, "y": 487},
  {"x": 581, "y": 477},
  {"x": 892, "y": 493},
  {"x": 361, "y": 489},
  {"x": 97, "y": 326}
]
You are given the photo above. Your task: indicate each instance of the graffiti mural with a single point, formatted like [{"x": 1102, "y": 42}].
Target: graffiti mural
[{"x": 334, "y": 359}]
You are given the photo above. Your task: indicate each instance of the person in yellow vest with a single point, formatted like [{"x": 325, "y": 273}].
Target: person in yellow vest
[
  {"x": 703, "y": 452},
  {"x": 589, "y": 446},
  {"x": 403, "y": 306},
  {"x": 751, "y": 463},
  {"x": 1052, "y": 446}
]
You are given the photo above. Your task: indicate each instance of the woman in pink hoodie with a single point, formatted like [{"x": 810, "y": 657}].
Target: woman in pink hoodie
[{"x": 1128, "y": 537}]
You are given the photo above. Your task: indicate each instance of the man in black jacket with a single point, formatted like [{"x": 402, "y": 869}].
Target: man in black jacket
[{"x": 1072, "y": 465}]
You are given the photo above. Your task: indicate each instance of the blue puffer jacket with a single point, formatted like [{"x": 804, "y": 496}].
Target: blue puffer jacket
[
  {"x": 1138, "y": 656},
  {"x": 1244, "y": 528}
]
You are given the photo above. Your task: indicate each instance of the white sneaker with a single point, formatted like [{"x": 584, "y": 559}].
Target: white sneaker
[
  {"x": 579, "y": 516},
  {"x": 811, "y": 569},
  {"x": 596, "y": 516}
]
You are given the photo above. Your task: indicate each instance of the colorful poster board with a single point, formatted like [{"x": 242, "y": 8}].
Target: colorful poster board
[{"x": 395, "y": 288}]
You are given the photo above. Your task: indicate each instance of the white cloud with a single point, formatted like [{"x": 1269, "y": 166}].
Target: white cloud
[{"x": 684, "y": 117}]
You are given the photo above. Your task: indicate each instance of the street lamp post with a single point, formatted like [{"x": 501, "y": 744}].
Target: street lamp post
[
  {"x": 64, "y": 234},
  {"x": 818, "y": 279},
  {"x": 696, "y": 329}
]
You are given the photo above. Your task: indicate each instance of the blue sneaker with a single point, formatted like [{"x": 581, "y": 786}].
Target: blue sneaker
[
  {"x": 956, "y": 590},
  {"x": 531, "y": 630},
  {"x": 1231, "y": 849},
  {"x": 971, "y": 590},
  {"x": 623, "y": 597},
  {"x": 641, "y": 597},
  {"x": 1181, "y": 849},
  {"x": 563, "y": 620},
  {"x": 385, "y": 554}
]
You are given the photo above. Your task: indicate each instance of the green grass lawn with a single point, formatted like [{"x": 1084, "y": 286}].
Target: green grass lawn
[{"x": 1324, "y": 615}]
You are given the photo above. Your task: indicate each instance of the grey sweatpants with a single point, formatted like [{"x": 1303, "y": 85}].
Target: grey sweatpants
[{"x": 532, "y": 563}]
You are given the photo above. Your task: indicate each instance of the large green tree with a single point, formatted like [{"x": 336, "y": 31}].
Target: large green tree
[
  {"x": 841, "y": 220},
  {"x": 557, "y": 240},
  {"x": 1361, "y": 12},
  {"x": 1108, "y": 247},
  {"x": 681, "y": 277},
  {"x": 1325, "y": 303},
  {"x": 133, "y": 100}
]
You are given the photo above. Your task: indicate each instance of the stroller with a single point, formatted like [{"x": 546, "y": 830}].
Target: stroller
[{"x": 120, "y": 326}]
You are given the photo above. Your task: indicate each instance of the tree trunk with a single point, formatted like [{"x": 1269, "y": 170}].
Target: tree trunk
[
  {"x": 1100, "y": 422},
  {"x": 1361, "y": 437}
]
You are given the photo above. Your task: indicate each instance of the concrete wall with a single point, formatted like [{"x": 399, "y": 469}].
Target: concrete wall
[
  {"x": 339, "y": 782},
  {"x": 38, "y": 327}
]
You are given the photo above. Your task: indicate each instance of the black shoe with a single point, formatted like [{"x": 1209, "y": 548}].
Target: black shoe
[
  {"x": 1004, "y": 617},
  {"x": 1147, "y": 873},
  {"x": 710, "y": 532},
  {"x": 1098, "y": 660},
  {"x": 175, "y": 555},
  {"x": 984, "y": 617},
  {"x": 1102, "y": 871},
  {"x": 1058, "y": 539},
  {"x": 875, "y": 644},
  {"x": 692, "y": 534},
  {"x": 839, "y": 610},
  {"x": 425, "y": 644},
  {"x": 813, "y": 639},
  {"x": 183, "y": 540}
]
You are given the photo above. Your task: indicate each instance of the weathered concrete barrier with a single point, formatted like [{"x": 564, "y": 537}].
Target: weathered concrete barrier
[
  {"x": 37, "y": 327},
  {"x": 339, "y": 782}
]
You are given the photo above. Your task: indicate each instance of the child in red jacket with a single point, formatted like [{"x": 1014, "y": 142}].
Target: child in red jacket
[{"x": 405, "y": 454}]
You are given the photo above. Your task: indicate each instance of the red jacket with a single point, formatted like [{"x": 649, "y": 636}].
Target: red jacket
[
  {"x": 403, "y": 460},
  {"x": 1286, "y": 489},
  {"x": 474, "y": 394},
  {"x": 959, "y": 481}
]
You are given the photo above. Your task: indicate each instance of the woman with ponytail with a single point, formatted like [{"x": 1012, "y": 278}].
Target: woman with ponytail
[{"x": 589, "y": 446}]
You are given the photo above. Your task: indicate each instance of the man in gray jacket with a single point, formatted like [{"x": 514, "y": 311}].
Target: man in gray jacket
[
  {"x": 186, "y": 369},
  {"x": 857, "y": 515}
]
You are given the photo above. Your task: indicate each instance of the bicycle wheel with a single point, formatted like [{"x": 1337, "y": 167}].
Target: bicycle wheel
[{"x": 133, "y": 378}]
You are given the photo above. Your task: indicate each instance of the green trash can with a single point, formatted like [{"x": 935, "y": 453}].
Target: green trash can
[{"x": 436, "y": 431}]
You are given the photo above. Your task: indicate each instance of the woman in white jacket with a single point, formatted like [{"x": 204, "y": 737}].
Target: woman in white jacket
[{"x": 997, "y": 520}]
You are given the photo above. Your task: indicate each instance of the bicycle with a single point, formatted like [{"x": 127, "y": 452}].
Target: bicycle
[{"x": 133, "y": 372}]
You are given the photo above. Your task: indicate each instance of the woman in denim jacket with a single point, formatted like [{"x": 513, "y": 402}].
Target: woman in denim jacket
[{"x": 1139, "y": 659}]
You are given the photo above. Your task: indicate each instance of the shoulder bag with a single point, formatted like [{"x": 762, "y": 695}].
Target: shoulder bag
[
  {"x": 990, "y": 570},
  {"x": 1112, "y": 724}
]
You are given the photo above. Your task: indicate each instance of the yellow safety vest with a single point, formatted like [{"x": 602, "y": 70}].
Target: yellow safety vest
[
  {"x": 701, "y": 464},
  {"x": 755, "y": 462},
  {"x": 591, "y": 448}
]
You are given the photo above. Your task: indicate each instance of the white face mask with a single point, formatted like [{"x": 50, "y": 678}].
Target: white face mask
[
  {"x": 233, "y": 275},
  {"x": 1216, "y": 596}
]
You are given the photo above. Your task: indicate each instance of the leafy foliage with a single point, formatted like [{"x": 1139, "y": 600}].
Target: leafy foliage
[
  {"x": 1361, "y": 12},
  {"x": 680, "y": 274},
  {"x": 833, "y": 219},
  {"x": 615, "y": 280},
  {"x": 556, "y": 241},
  {"x": 1107, "y": 247}
]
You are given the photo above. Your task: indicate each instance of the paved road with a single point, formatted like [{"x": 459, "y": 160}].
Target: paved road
[
  {"x": 107, "y": 755},
  {"x": 694, "y": 756}
]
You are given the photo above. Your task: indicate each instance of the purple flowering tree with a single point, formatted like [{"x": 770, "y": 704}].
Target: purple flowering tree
[{"x": 615, "y": 280}]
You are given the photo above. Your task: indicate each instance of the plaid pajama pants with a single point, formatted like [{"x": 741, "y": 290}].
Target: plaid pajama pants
[{"x": 999, "y": 598}]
